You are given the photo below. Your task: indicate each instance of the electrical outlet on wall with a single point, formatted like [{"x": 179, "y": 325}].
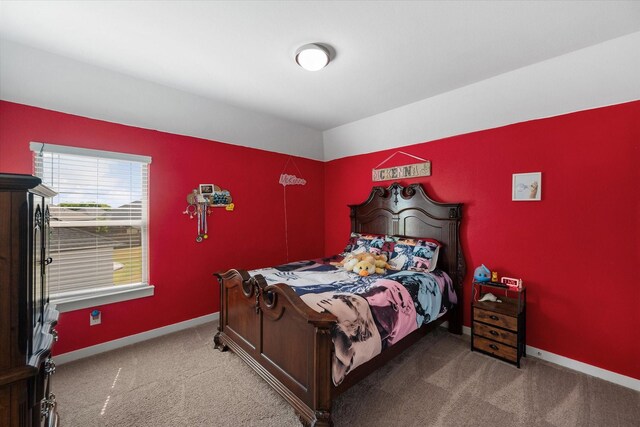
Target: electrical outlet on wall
[{"x": 95, "y": 317}]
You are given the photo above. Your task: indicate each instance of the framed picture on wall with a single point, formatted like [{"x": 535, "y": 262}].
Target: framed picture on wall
[
  {"x": 527, "y": 187},
  {"x": 206, "y": 189}
]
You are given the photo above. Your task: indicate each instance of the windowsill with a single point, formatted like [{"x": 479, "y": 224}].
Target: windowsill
[{"x": 111, "y": 296}]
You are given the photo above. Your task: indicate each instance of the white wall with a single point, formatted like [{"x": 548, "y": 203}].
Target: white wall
[
  {"x": 600, "y": 75},
  {"x": 34, "y": 77}
]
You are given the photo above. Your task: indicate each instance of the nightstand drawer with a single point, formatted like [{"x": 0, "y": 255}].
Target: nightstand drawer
[
  {"x": 496, "y": 334},
  {"x": 494, "y": 318},
  {"x": 495, "y": 348}
]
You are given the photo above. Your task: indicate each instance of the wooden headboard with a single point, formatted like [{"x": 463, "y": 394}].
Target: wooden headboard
[{"x": 408, "y": 211}]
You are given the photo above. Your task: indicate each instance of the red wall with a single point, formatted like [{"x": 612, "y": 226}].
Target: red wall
[
  {"x": 251, "y": 236},
  {"x": 576, "y": 250}
]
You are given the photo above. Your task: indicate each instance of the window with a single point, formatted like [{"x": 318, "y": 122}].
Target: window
[{"x": 99, "y": 219}]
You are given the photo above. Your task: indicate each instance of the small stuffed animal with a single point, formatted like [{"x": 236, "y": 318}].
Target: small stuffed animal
[
  {"x": 347, "y": 262},
  {"x": 350, "y": 261},
  {"x": 381, "y": 264},
  {"x": 482, "y": 274},
  {"x": 364, "y": 268}
]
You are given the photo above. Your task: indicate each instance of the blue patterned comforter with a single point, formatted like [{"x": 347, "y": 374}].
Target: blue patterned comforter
[{"x": 373, "y": 312}]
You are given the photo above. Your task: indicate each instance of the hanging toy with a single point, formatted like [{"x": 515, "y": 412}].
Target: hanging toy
[
  {"x": 202, "y": 209},
  {"x": 191, "y": 209},
  {"x": 198, "y": 207},
  {"x": 199, "y": 236},
  {"x": 203, "y": 221}
]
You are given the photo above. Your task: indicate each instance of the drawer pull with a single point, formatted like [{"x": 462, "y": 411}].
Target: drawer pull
[
  {"x": 494, "y": 333},
  {"x": 49, "y": 367},
  {"x": 46, "y": 404},
  {"x": 493, "y": 346},
  {"x": 494, "y": 317}
]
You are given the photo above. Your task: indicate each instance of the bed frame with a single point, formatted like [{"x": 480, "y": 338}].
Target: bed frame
[{"x": 289, "y": 344}]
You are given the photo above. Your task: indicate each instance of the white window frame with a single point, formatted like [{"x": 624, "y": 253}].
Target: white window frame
[{"x": 76, "y": 300}]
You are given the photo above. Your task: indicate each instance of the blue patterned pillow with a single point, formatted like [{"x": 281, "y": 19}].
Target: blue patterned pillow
[
  {"x": 402, "y": 256},
  {"x": 351, "y": 244},
  {"x": 425, "y": 255},
  {"x": 376, "y": 244},
  {"x": 415, "y": 254}
]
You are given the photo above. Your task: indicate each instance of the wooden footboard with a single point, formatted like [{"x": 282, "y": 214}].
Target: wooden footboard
[
  {"x": 281, "y": 338},
  {"x": 289, "y": 344}
]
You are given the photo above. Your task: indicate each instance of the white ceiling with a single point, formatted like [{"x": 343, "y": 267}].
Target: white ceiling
[{"x": 388, "y": 53}]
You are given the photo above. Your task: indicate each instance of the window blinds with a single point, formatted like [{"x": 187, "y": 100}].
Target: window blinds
[{"x": 99, "y": 218}]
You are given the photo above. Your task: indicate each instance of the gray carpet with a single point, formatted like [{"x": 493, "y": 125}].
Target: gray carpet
[{"x": 180, "y": 380}]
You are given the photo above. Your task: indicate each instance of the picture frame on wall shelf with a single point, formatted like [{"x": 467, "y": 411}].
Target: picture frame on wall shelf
[
  {"x": 206, "y": 189},
  {"x": 527, "y": 187}
]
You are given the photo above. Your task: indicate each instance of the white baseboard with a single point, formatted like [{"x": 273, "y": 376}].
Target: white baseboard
[
  {"x": 132, "y": 339},
  {"x": 575, "y": 365}
]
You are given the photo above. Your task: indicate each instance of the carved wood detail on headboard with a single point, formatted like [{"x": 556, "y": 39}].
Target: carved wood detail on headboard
[{"x": 408, "y": 211}]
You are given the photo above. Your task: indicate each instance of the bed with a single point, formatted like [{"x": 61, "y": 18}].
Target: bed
[{"x": 290, "y": 345}]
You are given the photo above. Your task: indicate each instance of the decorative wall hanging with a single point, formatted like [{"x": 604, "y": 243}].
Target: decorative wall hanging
[
  {"x": 527, "y": 187},
  {"x": 287, "y": 180},
  {"x": 291, "y": 180},
  {"x": 200, "y": 203},
  {"x": 405, "y": 171}
]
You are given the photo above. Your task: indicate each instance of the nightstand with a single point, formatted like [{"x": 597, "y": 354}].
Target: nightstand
[{"x": 499, "y": 328}]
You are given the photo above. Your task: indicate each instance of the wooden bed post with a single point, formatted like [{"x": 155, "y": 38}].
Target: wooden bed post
[
  {"x": 217, "y": 342},
  {"x": 459, "y": 269},
  {"x": 322, "y": 381}
]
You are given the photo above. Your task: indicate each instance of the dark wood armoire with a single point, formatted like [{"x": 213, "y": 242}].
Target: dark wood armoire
[{"x": 27, "y": 319}]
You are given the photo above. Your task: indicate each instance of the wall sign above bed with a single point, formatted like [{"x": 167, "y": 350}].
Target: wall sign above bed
[{"x": 404, "y": 171}]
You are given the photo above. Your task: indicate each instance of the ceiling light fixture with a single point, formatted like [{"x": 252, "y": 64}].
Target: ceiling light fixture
[{"x": 313, "y": 56}]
